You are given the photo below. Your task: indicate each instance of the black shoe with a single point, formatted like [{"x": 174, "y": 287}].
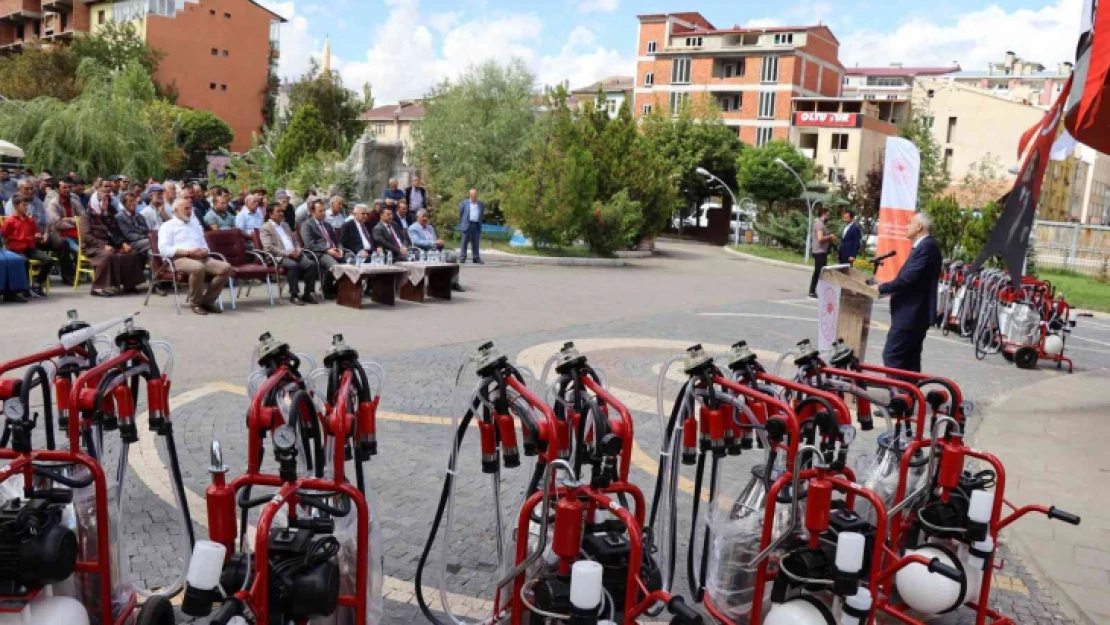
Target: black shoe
[
  {"x": 36, "y": 291},
  {"x": 296, "y": 301},
  {"x": 479, "y": 261},
  {"x": 329, "y": 295},
  {"x": 17, "y": 298},
  {"x": 455, "y": 286},
  {"x": 308, "y": 298},
  {"x": 212, "y": 308},
  {"x": 812, "y": 296},
  {"x": 462, "y": 260}
]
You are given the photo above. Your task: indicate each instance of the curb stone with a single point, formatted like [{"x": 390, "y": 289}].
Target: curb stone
[
  {"x": 520, "y": 259},
  {"x": 767, "y": 261}
]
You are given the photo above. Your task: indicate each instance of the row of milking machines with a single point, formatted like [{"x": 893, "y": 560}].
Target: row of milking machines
[{"x": 907, "y": 533}]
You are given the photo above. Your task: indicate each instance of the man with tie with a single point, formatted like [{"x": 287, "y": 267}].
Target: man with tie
[
  {"x": 319, "y": 237},
  {"x": 277, "y": 240},
  {"x": 390, "y": 238},
  {"x": 913, "y": 297},
  {"x": 356, "y": 235},
  {"x": 850, "y": 239}
]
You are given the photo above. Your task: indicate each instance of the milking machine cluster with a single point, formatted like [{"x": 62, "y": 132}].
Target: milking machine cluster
[
  {"x": 580, "y": 554},
  {"x": 316, "y": 552},
  {"x": 1027, "y": 323},
  {"x": 59, "y": 515},
  {"x": 908, "y": 534}
]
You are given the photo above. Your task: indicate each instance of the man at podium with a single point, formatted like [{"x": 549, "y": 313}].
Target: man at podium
[{"x": 913, "y": 297}]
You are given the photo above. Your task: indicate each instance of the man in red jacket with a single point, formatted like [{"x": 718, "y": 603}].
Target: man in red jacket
[{"x": 22, "y": 236}]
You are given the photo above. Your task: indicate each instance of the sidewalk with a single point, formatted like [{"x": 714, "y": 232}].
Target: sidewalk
[{"x": 1051, "y": 436}]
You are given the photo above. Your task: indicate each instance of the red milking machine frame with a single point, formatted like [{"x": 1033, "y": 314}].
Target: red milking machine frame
[
  {"x": 1054, "y": 320},
  {"x": 310, "y": 504},
  {"x": 588, "y": 425},
  {"x": 97, "y": 400}
]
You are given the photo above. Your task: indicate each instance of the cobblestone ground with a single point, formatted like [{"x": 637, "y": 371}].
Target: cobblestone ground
[{"x": 409, "y": 471}]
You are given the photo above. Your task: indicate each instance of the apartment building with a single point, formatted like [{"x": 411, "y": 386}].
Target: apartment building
[
  {"x": 1017, "y": 79},
  {"x": 393, "y": 123},
  {"x": 753, "y": 74},
  {"x": 614, "y": 89},
  {"x": 216, "y": 52},
  {"x": 890, "y": 88},
  {"x": 845, "y": 137}
]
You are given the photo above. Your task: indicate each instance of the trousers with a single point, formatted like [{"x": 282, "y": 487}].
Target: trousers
[
  {"x": 819, "y": 262},
  {"x": 472, "y": 234},
  {"x": 297, "y": 269},
  {"x": 903, "y": 349},
  {"x": 197, "y": 271}
]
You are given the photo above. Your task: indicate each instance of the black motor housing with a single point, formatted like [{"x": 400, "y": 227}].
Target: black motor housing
[{"x": 35, "y": 548}]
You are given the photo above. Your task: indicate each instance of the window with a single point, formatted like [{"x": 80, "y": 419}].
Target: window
[
  {"x": 951, "y": 130},
  {"x": 225, "y": 54},
  {"x": 947, "y": 162},
  {"x": 741, "y": 65},
  {"x": 885, "y": 81},
  {"x": 836, "y": 175},
  {"x": 764, "y": 135},
  {"x": 100, "y": 15},
  {"x": 732, "y": 102},
  {"x": 677, "y": 99},
  {"x": 839, "y": 142},
  {"x": 649, "y": 79},
  {"x": 215, "y": 51},
  {"x": 611, "y": 106},
  {"x": 212, "y": 12},
  {"x": 647, "y": 109},
  {"x": 694, "y": 42},
  {"x": 928, "y": 121},
  {"x": 767, "y": 104},
  {"x": 730, "y": 70},
  {"x": 680, "y": 71},
  {"x": 784, "y": 38},
  {"x": 770, "y": 69},
  {"x": 227, "y": 16},
  {"x": 651, "y": 47},
  {"x": 223, "y": 87},
  {"x": 212, "y": 86}
]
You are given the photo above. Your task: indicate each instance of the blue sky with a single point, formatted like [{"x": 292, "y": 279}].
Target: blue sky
[{"x": 403, "y": 47}]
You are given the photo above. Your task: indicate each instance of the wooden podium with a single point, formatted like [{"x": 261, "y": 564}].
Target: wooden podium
[{"x": 845, "y": 300}]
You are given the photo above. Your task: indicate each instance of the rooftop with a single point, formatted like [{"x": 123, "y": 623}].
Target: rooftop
[
  {"x": 701, "y": 26},
  {"x": 898, "y": 70},
  {"x": 987, "y": 74},
  {"x": 612, "y": 83},
  {"x": 405, "y": 111}
]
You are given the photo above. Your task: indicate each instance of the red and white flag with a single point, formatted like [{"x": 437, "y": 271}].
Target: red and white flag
[
  {"x": 898, "y": 204},
  {"x": 1088, "y": 110}
]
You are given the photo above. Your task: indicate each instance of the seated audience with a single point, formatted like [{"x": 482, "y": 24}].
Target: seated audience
[
  {"x": 117, "y": 267},
  {"x": 132, "y": 225},
  {"x": 62, "y": 210},
  {"x": 423, "y": 236},
  {"x": 23, "y": 236},
  {"x": 13, "y": 277},
  {"x": 220, "y": 218},
  {"x": 403, "y": 217},
  {"x": 336, "y": 216},
  {"x": 319, "y": 237},
  {"x": 157, "y": 211},
  {"x": 277, "y": 239},
  {"x": 250, "y": 218},
  {"x": 389, "y": 237},
  {"x": 357, "y": 235},
  {"x": 182, "y": 239}
]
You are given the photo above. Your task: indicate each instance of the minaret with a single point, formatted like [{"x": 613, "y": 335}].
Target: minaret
[{"x": 326, "y": 66}]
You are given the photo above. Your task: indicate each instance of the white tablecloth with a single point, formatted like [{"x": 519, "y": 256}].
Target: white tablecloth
[
  {"x": 417, "y": 271},
  {"x": 354, "y": 274}
]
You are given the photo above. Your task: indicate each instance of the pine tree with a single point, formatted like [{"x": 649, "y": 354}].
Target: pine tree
[{"x": 305, "y": 136}]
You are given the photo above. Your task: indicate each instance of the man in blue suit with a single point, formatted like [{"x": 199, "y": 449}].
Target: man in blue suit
[
  {"x": 850, "y": 239},
  {"x": 913, "y": 297},
  {"x": 471, "y": 211}
]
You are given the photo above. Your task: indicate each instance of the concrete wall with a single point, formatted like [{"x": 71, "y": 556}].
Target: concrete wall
[{"x": 985, "y": 124}]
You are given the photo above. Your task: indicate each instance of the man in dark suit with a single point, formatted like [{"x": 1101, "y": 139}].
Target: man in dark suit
[
  {"x": 417, "y": 197},
  {"x": 913, "y": 297},
  {"x": 388, "y": 237},
  {"x": 319, "y": 238},
  {"x": 471, "y": 212},
  {"x": 850, "y": 239},
  {"x": 357, "y": 235}
]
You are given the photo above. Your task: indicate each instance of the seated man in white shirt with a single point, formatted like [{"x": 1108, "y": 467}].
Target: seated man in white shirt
[
  {"x": 250, "y": 218},
  {"x": 182, "y": 239}
]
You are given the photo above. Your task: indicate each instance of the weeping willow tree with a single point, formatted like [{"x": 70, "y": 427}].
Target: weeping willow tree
[{"x": 100, "y": 132}]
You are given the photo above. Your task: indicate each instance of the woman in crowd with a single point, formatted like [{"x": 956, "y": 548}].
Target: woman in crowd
[{"x": 117, "y": 267}]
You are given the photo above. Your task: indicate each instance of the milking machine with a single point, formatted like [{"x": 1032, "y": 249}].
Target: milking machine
[
  {"x": 59, "y": 533},
  {"x": 315, "y": 551},
  {"x": 579, "y": 554},
  {"x": 953, "y": 517},
  {"x": 1039, "y": 323}
]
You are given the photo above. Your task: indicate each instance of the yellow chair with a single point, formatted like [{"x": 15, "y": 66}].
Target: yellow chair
[{"x": 81, "y": 260}]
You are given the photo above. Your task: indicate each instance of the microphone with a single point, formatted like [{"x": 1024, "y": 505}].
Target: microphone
[{"x": 879, "y": 259}]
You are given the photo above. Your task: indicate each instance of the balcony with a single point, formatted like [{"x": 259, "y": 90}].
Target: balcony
[
  {"x": 20, "y": 10},
  {"x": 57, "y": 6},
  {"x": 12, "y": 46}
]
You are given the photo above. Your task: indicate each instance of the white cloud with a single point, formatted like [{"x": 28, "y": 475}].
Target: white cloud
[
  {"x": 297, "y": 44},
  {"x": 581, "y": 36},
  {"x": 973, "y": 39},
  {"x": 442, "y": 22},
  {"x": 598, "y": 6}
]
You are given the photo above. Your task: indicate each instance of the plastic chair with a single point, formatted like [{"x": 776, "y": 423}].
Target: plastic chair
[
  {"x": 81, "y": 259},
  {"x": 34, "y": 268}
]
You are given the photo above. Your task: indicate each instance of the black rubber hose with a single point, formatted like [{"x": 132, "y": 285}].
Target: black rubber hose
[
  {"x": 29, "y": 381},
  {"x": 667, "y": 440},
  {"x": 63, "y": 480},
  {"x": 691, "y": 574},
  {"x": 178, "y": 482},
  {"x": 327, "y": 508},
  {"x": 303, "y": 401},
  {"x": 443, "y": 497}
]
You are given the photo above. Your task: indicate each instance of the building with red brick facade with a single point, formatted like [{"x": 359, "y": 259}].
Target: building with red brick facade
[{"x": 753, "y": 74}]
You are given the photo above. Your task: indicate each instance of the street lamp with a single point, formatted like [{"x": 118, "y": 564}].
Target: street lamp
[
  {"x": 809, "y": 203},
  {"x": 703, "y": 172}
]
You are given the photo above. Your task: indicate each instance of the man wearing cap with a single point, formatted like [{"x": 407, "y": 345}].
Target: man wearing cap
[{"x": 156, "y": 212}]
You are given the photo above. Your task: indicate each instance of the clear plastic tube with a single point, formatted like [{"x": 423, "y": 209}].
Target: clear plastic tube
[{"x": 661, "y": 418}]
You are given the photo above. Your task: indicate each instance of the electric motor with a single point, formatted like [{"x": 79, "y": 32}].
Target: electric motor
[{"x": 35, "y": 547}]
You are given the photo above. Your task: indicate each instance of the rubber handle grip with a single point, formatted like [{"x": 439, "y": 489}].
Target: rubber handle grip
[
  {"x": 1060, "y": 515},
  {"x": 940, "y": 568},
  {"x": 683, "y": 613}
]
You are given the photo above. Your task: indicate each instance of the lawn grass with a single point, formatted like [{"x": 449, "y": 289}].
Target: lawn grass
[
  {"x": 503, "y": 246},
  {"x": 1081, "y": 291},
  {"x": 772, "y": 253}
]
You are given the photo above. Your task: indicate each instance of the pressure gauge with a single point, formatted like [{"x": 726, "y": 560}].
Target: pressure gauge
[
  {"x": 13, "y": 409},
  {"x": 285, "y": 439},
  {"x": 848, "y": 434}
]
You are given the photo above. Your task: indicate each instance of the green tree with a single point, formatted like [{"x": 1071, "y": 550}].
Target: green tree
[
  {"x": 766, "y": 181},
  {"x": 475, "y": 130},
  {"x": 132, "y": 82},
  {"x": 164, "y": 120},
  {"x": 978, "y": 229},
  {"x": 305, "y": 136},
  {"x": 338, "y": 106},
  {"x": 40, "y": 71},
  {"x": 934, "y": 179},
  {"x": 117, "y": 44},
  {"x": 367, "y": 102},
  {"x": 870, "y": 192},
  {"x": 201, "y": 134},
  {"x": 613, "y": 225},
  {"x": 949, "y": 222},
  {"x": 695, "y": 137}
]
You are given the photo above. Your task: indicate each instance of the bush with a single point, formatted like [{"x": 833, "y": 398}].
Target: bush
[
  {"x": 949, "y": 222},
  {"x": 613, "y": 225},
  {"x": 790, "y": 228}
]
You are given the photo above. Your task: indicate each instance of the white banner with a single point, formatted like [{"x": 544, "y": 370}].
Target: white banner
[
  {"x": 900, "y": 174},
  {"x": 828, "y": 313}
]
